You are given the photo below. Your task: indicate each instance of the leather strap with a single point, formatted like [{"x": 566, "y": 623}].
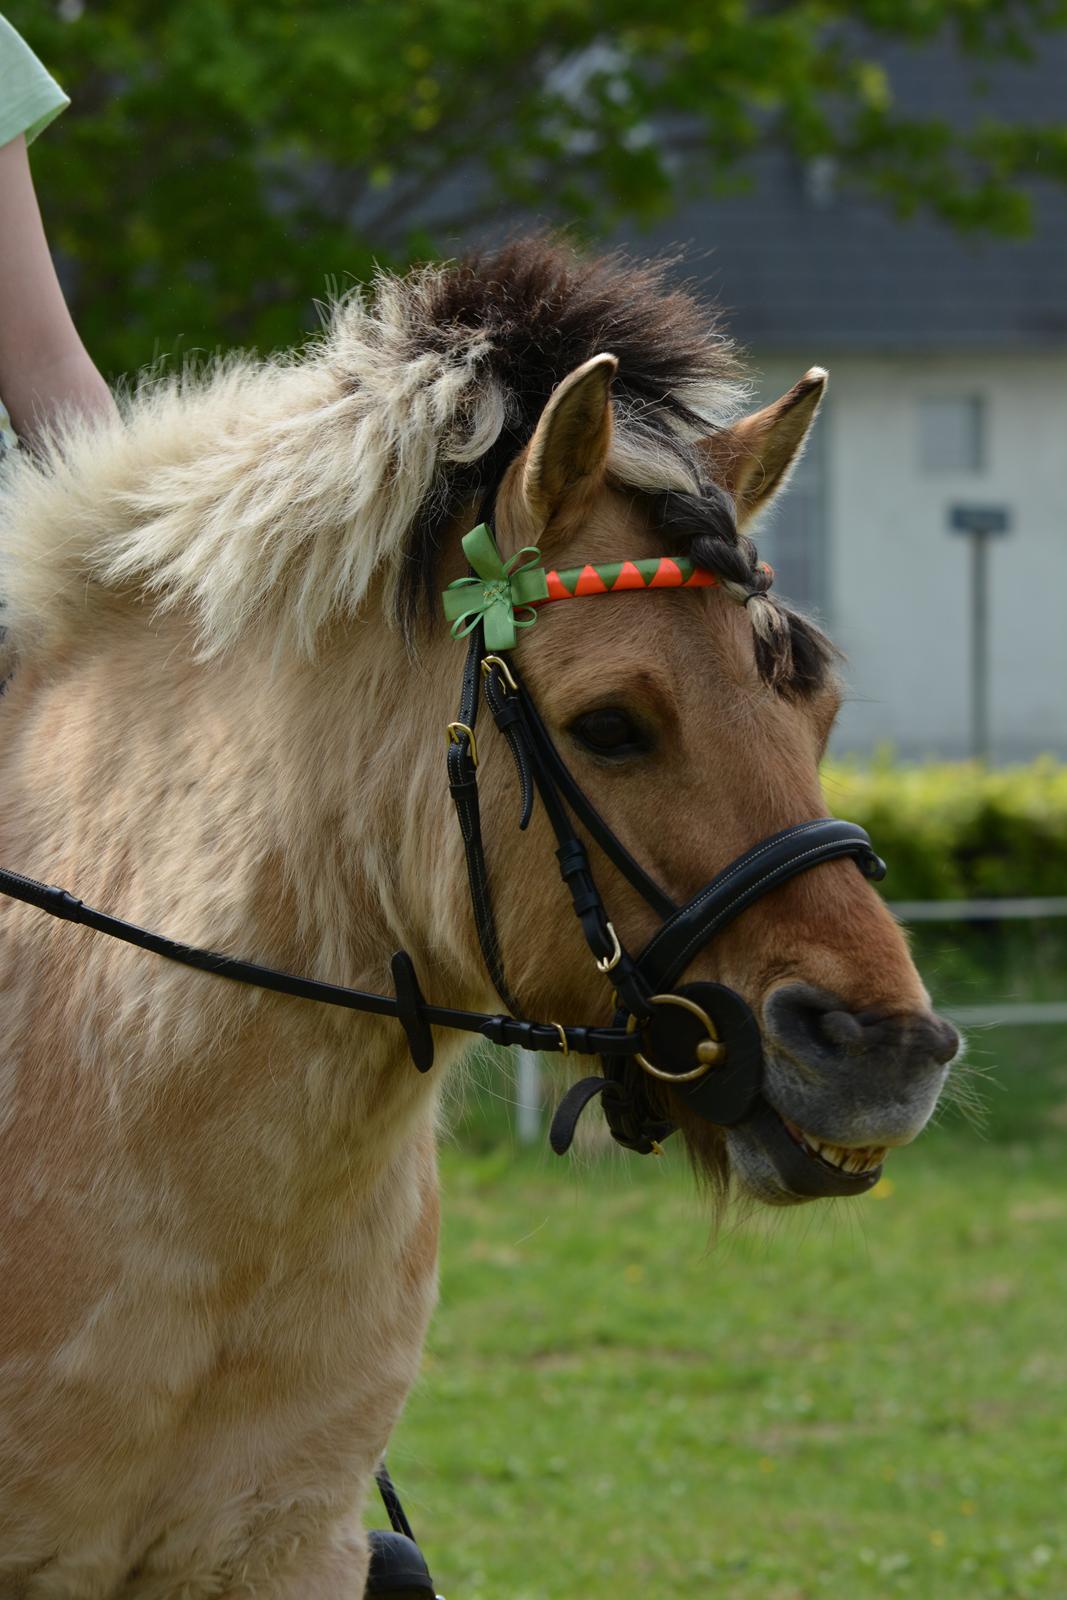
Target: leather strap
[
  {"x": 539, "y": 1036},
  {"x": 771, "y": 862},
  {"x": 513, "y": 708},
  {"x": 561, "y": 776},
  {"x": 565, "y": 1119},
  {"x": 391, "y": 1501},
  {"x": 507, "y": 714},
  {"x": 630, "y": 1116},
  {"x": 463, "y": 787}
]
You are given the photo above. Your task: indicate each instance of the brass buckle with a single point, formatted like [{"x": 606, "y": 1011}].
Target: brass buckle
[
  {"x": 711, "y": 1052},
  {"x": 489, "y": 662},
  {"x": 454, "y": 731},
  {"x": 564, "y": 1046},
  {"x": 609, "y": 963}
]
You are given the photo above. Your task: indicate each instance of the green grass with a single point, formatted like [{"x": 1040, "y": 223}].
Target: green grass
[{"x": 864, "y": 1398}]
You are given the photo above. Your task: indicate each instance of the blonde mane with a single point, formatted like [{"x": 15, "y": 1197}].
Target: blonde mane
[{"x": 271, "y": 494}]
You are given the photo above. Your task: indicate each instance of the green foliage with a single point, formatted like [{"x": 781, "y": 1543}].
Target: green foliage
[
  {"x": 956, "y": 830},
  {"x": 223, "y": 162}
]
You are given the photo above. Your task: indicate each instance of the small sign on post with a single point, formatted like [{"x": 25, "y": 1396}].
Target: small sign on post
[
  {"x": 980, "y": 524},
  {"x": 980, "y": 520}
]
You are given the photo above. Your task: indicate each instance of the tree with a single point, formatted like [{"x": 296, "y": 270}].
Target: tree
[{"x": 223, "y": 161}]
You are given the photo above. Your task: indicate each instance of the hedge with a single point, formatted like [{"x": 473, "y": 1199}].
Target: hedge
[{"x": 959, "y": 830}]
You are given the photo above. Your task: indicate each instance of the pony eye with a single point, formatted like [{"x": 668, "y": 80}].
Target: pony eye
[{"x": 610, "y": 732}]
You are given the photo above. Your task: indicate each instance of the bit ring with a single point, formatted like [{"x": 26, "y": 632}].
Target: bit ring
[{"x": 711, "y": 1052}]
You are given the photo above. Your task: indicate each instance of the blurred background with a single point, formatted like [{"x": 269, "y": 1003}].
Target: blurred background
[{"x": 871, "y": 1395}]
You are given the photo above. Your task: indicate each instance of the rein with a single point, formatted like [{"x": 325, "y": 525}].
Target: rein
[{"x": 701, "y": 1038}]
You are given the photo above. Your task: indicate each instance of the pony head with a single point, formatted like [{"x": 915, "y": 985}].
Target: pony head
[
  {"x": 695, "y": 717},
  {"x": 300, "y": 519}
]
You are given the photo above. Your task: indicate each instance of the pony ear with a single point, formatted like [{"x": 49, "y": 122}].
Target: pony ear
[
  {"x": 569, "y": 449},
  {"x": 752, "y": 459}
]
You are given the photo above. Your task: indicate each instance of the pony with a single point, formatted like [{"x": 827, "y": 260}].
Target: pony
[{"x": 229, "y": 685}]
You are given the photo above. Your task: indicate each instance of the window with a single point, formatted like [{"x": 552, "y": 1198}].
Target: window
[
  {"x": 820, "y": 182},
  {"x": 794, "y": 537},
  {"x": 952, "y": 433}
]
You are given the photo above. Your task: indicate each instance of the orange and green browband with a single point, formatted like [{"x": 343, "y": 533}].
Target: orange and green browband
[
  {"x": 611, "y": 577},
  {"x": 507, "y": 595}
]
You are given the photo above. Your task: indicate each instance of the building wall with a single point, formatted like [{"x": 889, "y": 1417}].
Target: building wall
[{"x": 896, "y": 586}]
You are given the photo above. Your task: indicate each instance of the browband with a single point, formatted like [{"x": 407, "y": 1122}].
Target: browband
[
  {"x": 611, "y": 577},
  {"x": 506, "y": 595}
]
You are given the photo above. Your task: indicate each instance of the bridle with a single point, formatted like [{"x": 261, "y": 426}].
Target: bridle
[{"x": 700, "y": 1038}]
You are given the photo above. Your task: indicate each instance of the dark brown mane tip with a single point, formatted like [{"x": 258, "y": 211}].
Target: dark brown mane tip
[
  {"x": 813, "y": 656},
  {"x": 530, "y": 312},
  {"x": 794, "y": 656}
]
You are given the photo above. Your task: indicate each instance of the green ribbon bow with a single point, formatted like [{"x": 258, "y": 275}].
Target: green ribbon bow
[{"x": 499, "y": 589}]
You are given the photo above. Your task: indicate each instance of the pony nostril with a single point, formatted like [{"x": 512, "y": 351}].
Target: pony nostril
[
  {"x": 843, "y": 1029},
  {"x": 804, "y": 1018},
  {"x": 945, "y": 1040}
]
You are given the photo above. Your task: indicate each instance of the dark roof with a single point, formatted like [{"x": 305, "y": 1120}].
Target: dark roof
[{"x": 793, "y": 267}]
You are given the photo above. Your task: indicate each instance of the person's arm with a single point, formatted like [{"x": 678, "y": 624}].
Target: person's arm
[{"x": 44, "y": 367}]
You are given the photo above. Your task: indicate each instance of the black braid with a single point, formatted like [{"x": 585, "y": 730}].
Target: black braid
[{"x": 796, "y": 657}]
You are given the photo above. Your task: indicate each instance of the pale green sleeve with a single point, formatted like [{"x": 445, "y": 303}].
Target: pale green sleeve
[{"x": 29, "y": 96}]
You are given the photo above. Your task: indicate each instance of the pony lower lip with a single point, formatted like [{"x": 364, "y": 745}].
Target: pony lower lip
[
  {"x": 858, "y": 1163},
  {"x": 801, "y": 1173}
]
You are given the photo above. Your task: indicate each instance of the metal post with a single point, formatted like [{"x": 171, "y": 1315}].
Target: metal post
[
  {"x": 979, "y": 644},
  {"x": 528, "y": 1098},
  {"x": 980, "y": 524}
]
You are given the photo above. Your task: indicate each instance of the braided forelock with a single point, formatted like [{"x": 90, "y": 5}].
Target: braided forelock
[{"x": 792, "y": 655}]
